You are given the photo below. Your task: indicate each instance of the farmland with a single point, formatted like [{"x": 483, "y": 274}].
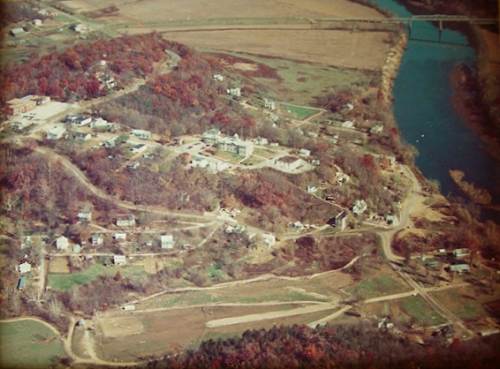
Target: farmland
[
  {"x": 28, "y": 343},
  {"x": 158, "y": 10},
  {"x": 315, "y": 46}
]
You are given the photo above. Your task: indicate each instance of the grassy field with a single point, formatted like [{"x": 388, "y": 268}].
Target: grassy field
[
  {"x": 299, "y": 112},
  {"x": 65, "y": 282},
  {"x": 28, "y": 344},
  {"x": 301, "y": 82},
  {"x": 322, "y": 288},
  {"x": 418, "y": 309},
  {"x": 379, "y": 285}
]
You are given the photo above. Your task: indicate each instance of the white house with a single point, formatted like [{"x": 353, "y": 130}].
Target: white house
[
  {"x": 24, "y": 267},
  {"x": 120, "y": 236},
  {"x": 235, "y": 145},
  {"x": 377, "y": 129},
  {"x": 218, "y": 77},
  {"x": 77, "y": 248},
  {"x": 119, "y": 259},
  {"x": 304, "y": 153},
  {"x": 460, "y": 268},
  {"x": 269, "y": 239},
  {"x": 129, "y": 307},
  {"x": 359, "y": 207},
  {"x": 37, "y": 22},
  {"x": 234, "y": 229},
  {"x": 126, "y": 221},
  {"x": 211, "y": 136},
  {"x": 18, "y": 31},
  {"x": 339, "y": 221},
  {"x": 269, "y": 104},
  {"x": 461, "y": 253},
  {"x": 78, "y": 120},
  {"x": 97, "y": 239},
  {"x": 141, "y": 133},
  {"x": 62, "y": 243},
  {"x": 235, "y": 91},
  {"x": 79, "y": 28},
  {"x": 167, "y": 241},
  {"x": 100, "y": 123},
  {"x": 81, "y": 136},
  {"x": 348, "y": 124},
  {"x": 85, "y": 216},
  {"x": 56, "y": 132},
  {"x": 261, "y": 141},
  {"x": 312, "y": 189}
]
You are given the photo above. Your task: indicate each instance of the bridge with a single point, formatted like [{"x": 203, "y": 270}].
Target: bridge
[{"x": 439, "y": 18}]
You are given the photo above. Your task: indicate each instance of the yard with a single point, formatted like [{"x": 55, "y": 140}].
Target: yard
[
  {"x": 28, "y": 344},
  {"x": 65, "y": 282}
]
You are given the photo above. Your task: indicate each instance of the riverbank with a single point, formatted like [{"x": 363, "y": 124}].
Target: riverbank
[
  {"x": 391, "y": 68},
  {"x": 469, "y": 105}
]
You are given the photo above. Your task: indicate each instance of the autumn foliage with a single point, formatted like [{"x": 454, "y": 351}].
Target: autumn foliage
[{"x": 70, "y": 75}]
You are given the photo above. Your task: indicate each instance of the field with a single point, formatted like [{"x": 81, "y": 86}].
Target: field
[
  {"x": 65, "y": 282},
  {"x": 361, "y": 50},
  {"x": 161, "y": 11},
  {"x": 28, "y": 344},
  {"x": 322, "y": 288},
  {"x": 131, "y": 336},
  {"x": 420, "y": 311}
]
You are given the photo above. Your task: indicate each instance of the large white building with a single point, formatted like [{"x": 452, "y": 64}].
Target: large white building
[{"x": 232, "y": 144}]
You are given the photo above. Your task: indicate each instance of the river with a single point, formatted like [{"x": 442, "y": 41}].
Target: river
[{"x": 424, "y": 110}]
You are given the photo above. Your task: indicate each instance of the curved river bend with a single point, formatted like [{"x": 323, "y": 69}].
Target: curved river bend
[{"x": 424, "y": 110}]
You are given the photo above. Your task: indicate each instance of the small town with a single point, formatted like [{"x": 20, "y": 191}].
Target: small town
[{"x": 166, "y": 197}]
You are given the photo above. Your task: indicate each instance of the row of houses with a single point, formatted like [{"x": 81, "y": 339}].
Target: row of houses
[
  {"x": 62, "y": 243},
  {"x": 232, "y": 144}
]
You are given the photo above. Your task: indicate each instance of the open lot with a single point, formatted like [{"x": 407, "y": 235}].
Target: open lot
[
  {"x": 361, "y": 50},
  {"x": 28, "y": 344},
  {"x": 59, "y": 265}
]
